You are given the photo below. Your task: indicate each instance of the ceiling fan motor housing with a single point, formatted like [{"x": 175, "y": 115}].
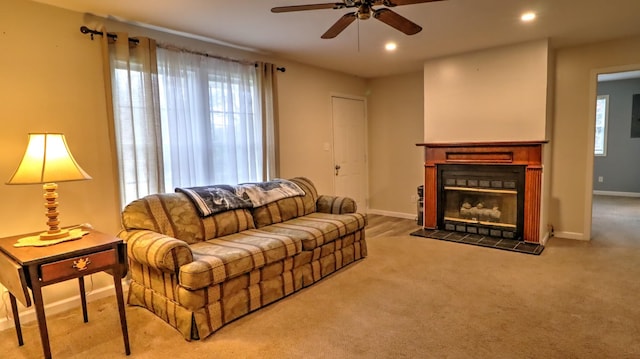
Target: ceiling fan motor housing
[{"x": 364, "y": 11}]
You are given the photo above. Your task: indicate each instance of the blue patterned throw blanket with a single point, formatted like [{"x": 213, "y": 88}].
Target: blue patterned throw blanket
[
  {"x": 214, "y": 199},
  {"x": 219, "y": 198},
  {"x": 262, "y": 193}
]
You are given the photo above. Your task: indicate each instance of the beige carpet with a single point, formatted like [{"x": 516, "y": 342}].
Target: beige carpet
[{"x": 411, "y": 298}]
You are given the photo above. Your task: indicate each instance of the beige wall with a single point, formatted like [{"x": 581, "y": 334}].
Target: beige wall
[
  {"x": 498, "y": 94},
  {"x": 572, "y": 156},
  {"x": 547, "y": 150},
  {"x": 396, "y": 121},
  {"x": 304, "y": 96},
  {"x": 51, "y": 80},
  {"x": 305, "y": 121}
]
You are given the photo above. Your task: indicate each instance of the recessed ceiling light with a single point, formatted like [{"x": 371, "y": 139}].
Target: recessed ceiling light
[
  {"x": 528, "y": 16},
  {"x": 390, "y": 46}
]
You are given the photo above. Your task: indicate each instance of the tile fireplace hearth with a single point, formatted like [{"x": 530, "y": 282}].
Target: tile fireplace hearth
[
  {"x": 480, "y": 240},
  {"x": 483, "y": 190}
]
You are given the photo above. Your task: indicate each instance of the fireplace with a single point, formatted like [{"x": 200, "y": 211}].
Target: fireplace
[{"x": 490, "y": 189}]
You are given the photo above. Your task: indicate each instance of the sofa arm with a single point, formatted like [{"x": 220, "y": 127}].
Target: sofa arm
[
  {"x": 336, "y": 205},
  {"x": 156, "y": 250}
]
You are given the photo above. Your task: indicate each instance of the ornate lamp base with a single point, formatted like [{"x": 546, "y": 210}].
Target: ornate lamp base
[
  {"x": 60, "y": 234},
  {"x": 39, "y": 241}
]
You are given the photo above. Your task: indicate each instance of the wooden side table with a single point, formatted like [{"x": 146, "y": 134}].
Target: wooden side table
[{"x": 36, "y": 267}]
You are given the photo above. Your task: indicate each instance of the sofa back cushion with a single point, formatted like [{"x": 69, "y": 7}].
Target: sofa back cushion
[
  {"x": 287, "y": 208},
  {"x": 174, "y": 215}
]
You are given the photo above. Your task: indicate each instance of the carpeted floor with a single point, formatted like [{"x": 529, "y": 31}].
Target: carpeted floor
[{"x": 411, "y": 298}]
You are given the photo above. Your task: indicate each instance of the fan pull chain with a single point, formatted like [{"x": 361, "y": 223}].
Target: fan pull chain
[{"x": 358, "y": 24}]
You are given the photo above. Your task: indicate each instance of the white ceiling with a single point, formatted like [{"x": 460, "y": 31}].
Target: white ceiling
[
  {"x": 619, "y": 76},
  {"x": 449, "y": 27}
]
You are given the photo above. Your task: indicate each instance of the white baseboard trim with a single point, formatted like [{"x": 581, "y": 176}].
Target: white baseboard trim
[
  {"x": 545, "y": 239},
  {"x": 60, "y": 306},
  {"x": 570, "y": 235},
  {"x": 392, "y": 214},
  {"x": 617, "y": 194}
]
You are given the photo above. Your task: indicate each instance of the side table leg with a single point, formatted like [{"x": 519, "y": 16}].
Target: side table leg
[
  {"x": 117, "y": 282},
  {"x": 16, "y": 318},
  {"x": 83, "y": 299},
  {"x": 39, "y": 306}
]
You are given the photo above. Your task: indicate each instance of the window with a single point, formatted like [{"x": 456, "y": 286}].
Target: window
[
  {"x": 602, "y": 114},
  {"x": 182, "y": 120},
  {"x": 211, "y": 120}
]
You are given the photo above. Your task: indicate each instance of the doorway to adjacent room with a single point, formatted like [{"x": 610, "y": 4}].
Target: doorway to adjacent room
[{"x": 615, "y": 192}]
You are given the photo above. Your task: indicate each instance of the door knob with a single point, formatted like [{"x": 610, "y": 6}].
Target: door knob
[{"x": 337, "y": 169}]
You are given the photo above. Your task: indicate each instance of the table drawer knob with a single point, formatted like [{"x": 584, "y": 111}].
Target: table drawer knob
[{"x": 81, "y": 264}]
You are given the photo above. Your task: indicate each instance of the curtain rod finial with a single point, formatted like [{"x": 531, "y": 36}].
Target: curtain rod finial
[{"x": 85, "y": 30}]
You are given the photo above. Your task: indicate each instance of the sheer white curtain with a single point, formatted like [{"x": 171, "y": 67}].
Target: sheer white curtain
[
  {"x": 132, "y": 88},
  {"x": 211, "y": 120}
]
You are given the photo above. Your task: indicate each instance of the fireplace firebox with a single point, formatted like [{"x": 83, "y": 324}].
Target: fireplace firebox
[{"x": 481, "y": 199}]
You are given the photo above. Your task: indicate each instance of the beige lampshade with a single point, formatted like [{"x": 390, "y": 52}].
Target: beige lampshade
[{"x": 47, "y": 159}]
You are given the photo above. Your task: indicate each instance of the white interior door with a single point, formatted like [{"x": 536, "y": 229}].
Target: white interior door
[{"x": 350, "y": 148}]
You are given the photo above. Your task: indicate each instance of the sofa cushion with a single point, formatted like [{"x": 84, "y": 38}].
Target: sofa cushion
[
  {"x": 316, "y": 229},
  {"x": 287, "y": 208},
  {"x": 174, "y": 215},
  {"x": 217, "y": 260}
]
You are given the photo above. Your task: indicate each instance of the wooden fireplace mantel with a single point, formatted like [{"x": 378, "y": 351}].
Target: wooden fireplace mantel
[{"x": 526, "y": 153}]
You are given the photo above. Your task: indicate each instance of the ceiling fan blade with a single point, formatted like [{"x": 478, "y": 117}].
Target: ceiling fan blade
[
  {"x": 340, "y": 25},
  {"x": 279, "y": 9},
  {"x": 392, "y": 3},
  {"x": 397, "y": 21}
]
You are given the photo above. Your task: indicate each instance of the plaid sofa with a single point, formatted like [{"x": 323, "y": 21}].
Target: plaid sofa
[{"x": 198, "y": 274}]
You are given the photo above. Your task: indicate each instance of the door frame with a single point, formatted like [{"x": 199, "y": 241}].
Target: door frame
[
  {"x": 366, "y": 141},
  {"x": 591, "y": 132}
]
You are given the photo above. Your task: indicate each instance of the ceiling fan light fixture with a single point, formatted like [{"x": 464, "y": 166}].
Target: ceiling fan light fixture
[{"x": 390, "y": 46}]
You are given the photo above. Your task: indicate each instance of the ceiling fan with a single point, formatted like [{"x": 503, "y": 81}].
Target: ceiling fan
[{"x": 364, "y": 10}]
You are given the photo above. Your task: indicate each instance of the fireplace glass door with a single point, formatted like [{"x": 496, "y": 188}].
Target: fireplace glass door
[{"x": 485, "y": 200}]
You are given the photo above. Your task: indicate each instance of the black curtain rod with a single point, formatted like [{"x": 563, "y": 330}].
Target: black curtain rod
[
  {"x": 281, "y": 69},
  {"x": 86, "y": 30}
]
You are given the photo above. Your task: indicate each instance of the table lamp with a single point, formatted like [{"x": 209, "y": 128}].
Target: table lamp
[{"x": 48, "y": 160}]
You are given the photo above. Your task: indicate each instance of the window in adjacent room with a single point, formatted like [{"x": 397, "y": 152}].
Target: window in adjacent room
[{"x": 602, "y": 111}]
